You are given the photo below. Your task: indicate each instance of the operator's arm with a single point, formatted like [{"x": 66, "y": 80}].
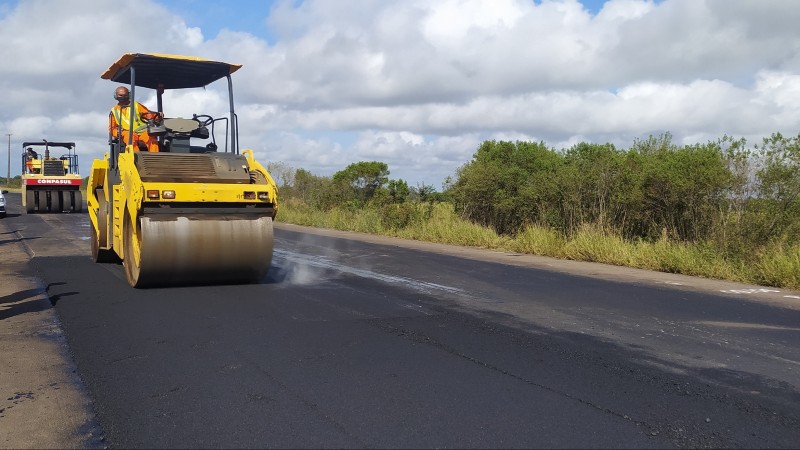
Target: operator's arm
[
  {"x": 145, "y": 113},
  {"x": 112, "y": 124}
]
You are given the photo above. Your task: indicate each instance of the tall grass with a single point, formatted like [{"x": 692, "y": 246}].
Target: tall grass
[
  {"x": 778, "y": 266},
  {"x": 439, "y": 223},
  {"x": 775, "y": 265}
]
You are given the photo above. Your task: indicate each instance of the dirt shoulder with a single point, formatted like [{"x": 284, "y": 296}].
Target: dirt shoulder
[{"x": 43, "y": 403}]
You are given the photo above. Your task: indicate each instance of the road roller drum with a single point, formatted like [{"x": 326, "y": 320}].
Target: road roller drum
[{"x": 198, "y": 250}]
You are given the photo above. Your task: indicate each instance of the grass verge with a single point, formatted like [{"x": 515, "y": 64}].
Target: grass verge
[{"x": 777, "y": 265}]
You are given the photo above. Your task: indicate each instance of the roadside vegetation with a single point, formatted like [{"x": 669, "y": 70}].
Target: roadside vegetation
[
  {"x": 12, "y": 185},
  {"x": 721, "y": 209}
]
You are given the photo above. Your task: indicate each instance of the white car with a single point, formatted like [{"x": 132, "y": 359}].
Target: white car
[{"x": 3, "y": 203}]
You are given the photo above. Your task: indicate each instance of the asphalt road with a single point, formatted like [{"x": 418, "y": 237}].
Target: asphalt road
[{"x": 349, "y": 343}]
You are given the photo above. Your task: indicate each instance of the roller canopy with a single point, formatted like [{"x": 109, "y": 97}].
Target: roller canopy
[
  {"x": 49, "y": 144},
  {"x": 168, "y": 71}
]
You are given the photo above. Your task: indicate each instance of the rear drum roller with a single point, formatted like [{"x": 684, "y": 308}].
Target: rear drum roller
[
  {"x": 132, "y": 259},
  {"x": 100, "y": 236}
]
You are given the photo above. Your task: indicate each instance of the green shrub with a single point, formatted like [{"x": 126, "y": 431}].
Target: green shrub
[{"x": 396, "y": 216}]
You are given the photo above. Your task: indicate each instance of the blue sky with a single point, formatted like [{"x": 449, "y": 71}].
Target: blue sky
[
  {"x": 417, "y": 84},
  {"x": 238, "y": 15}
]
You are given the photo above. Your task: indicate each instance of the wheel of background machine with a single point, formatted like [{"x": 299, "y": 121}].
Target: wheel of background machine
[
  {"x": 66, "y": 204},
  {"x": 48, "y": 201},
  {"x": 77, "y": 202},
  {"x": 133, "y": 248},
  {"x": 30, "y": 201},
  {"x": 58, "y": 200}
]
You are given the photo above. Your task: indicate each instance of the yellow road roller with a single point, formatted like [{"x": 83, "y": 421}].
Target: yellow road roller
[
  {"x": 50, "y": 183},
  {"x": 191, "y": 208}
]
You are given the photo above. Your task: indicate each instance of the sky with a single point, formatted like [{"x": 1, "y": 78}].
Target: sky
[{"x": 416, "y": 84}]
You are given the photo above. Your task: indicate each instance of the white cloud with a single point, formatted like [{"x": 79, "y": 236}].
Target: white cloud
[
  {"x": 779, "y": 90},
  {"x": 33, "y": 125}
]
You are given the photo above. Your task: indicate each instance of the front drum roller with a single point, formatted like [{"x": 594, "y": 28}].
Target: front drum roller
[{"x": 205, "y": 248}]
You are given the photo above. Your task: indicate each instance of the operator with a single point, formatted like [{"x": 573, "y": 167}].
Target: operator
[
  {"x": 120, "y": 115},
  {"x": 30, "y": 155}
]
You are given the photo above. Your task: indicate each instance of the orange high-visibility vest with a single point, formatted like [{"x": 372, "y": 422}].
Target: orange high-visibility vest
[{"x": 122, "y": 116}]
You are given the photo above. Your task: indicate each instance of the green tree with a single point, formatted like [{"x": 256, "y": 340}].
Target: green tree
[
  {"x": 509, "y": 184},
  {"x": 316, "y": 191},
  {"x": 364, "y": 178},
  {"x": 304, "y": 184},
  {"x": 684, "y": 188},
  {"x": 779, "y": 187},
  {"x": 592, "y": 179},
  {"x": 423, "y": 193},
  {"x": 398, "y": 191}
]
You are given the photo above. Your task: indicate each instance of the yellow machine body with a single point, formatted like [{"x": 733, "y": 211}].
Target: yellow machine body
[{"x": 178, "y": 217}]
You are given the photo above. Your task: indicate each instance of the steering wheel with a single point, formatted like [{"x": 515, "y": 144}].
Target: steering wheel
[{"x": 203, "y": 119}]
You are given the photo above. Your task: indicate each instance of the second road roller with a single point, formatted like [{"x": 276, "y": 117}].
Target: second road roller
[
  {"x": 50, "y": 183},
  {"x": 174, "y": 198}
]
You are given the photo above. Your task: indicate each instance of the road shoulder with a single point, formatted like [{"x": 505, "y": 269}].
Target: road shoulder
[{"x": 43, "y": 402}]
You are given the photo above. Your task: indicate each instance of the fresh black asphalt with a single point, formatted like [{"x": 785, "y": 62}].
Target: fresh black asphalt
[{"x": 351, "y": 344}]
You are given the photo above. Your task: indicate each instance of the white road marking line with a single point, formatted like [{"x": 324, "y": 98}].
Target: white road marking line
[
  {"x": 749, "y": 291},
  {"x": 318, "y": 261}
]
